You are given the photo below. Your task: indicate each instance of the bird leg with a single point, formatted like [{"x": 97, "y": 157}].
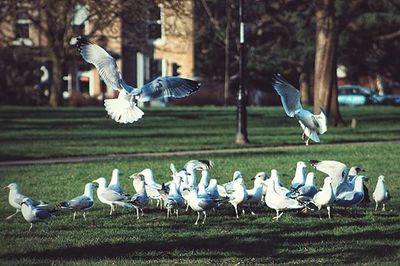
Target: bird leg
[
  {"x": 277, "y": 215},
  {"x": 12, "y": 215},
  {"x": 30, "y": 228},
  {"x": 168, "y": 210},
  {"x": 376, "y": 206},
  {"x": 303, "y": 136},
  {"x": 243, "y": 212},
  {"x": 329, "y": 211},
  {"x": 205, "y": 216},
  {"x": 177, "y": 212},
  {"x": 142, "y": 212},
  {"x": 137, "y": 214},
  {"x": 307, "y": 141},
  {"x": 112, "y": 209},
  {"x": 84, "y": 216},
  {"x": 198, "y": 217},
  {"x": 74, "y": 216},
  {"x": 236, "y": 210},
  {"x": 187, "y": 206},
  {"x": 383, "y": 207}
]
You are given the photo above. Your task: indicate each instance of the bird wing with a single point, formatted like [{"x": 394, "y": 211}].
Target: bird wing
[
  {"x": 334, "y": 169},
  {"x": 290, "y": 96},
  {"x": 199, "y": 164},
  {"x": 102, "y": 60},
  {"x": 116, "y": 187},
  {"x": 321, "y": 121},
  {"x": 168, "y": 87},
  {"x": 41, "y": 213},
  {"x": 112, "y": 195},
  {"x": 80, "y": 202}
]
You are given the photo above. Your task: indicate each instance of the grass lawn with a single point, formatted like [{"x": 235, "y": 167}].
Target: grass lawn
[
  {"x": 368, "y": 238},
  {"x": 40, "y": 132}
]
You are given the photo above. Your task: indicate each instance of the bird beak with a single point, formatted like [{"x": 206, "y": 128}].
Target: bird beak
[
  {"x": 5, "y": 187},
  {"x": 253, "y": 179},
  {"x": 95, "y": 185}
]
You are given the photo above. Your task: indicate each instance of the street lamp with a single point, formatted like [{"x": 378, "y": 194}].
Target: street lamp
[{"x": 241, "y": 115}]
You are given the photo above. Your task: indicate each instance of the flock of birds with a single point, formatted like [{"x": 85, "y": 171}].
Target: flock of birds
[{"x": 343, "y": 186}]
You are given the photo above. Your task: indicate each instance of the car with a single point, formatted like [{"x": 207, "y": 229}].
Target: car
[{"x": 358, "y": 95}]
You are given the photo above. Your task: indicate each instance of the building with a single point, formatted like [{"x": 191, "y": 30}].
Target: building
[{"x": 156, "y": 40}]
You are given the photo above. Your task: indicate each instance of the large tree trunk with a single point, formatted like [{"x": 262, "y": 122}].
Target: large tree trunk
[
  {"x": 56, "y": 86},
  {"x": 304, "y": 85},
  {"x": 325, "y": 83}
]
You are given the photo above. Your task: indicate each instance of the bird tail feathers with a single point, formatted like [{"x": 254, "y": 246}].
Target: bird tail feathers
[
  {"x": 321, "y": 120},
  {"x": 122, "y": 111},
  {"x": 312, "y": 134},
  {"x": 124, "y": 204}
]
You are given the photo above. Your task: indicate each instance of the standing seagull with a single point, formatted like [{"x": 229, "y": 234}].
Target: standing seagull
[
  {"x": 15, "y": 198},
  {"x": 140, "y": 199},
  {"x": 33, "y": 214},
  {"x": 311, "y": 124},
  {"x": 124, "y": 109},
  {"x": 381, "y": 193},
  {"x": 299, "y": 178},
  {"x": 325, "y": 197},
  {"x": 109, "y": 196},
  {"x": 80, "y": 203},
  {"x": 114, "y": 183}
]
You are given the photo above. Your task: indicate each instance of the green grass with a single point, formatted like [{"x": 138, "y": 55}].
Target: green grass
[
  {"x": 369, "y": 238},
  {"x": 40, "y": 132}
]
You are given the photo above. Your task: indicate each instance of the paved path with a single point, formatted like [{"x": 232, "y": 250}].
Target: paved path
[{"x": 79, "y": 159}]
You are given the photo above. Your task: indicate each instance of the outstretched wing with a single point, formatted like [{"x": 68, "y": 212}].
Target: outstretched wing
[
  {"x": 290, "y": 96},
  {"x": 169, "y": 87},
  {"x": 102, "y": 60}
]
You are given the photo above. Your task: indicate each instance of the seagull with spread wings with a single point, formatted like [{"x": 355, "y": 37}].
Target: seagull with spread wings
[
  {"x": 124, "y": 109},
  {"x": 311, "y": 124}
]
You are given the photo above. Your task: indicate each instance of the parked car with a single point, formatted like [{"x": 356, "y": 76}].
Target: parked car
[{"x": 359, "y": 95}]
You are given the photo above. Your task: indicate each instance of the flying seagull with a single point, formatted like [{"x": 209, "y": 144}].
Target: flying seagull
[
  {"x": 124, "y": 109},
  {"x": 311, "y": 124}
]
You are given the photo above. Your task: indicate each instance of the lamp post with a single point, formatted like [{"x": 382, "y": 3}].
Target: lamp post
[{"x": 241, "y": 115}]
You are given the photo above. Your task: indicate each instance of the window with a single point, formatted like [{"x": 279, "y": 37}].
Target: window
[
  {"x": 22, "y": 26},
  {"x": 154, "y": 22}
]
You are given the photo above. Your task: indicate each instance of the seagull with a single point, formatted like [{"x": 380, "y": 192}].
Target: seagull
[
  {"x": 339, "y": 173},
  {"x": 15, "y": 198},
  {"x": 226, "y": 189},
  {"x": 34, "y": 214},
  {"x": 174, "y": 200},
  {"x": 109, "y": 196},
  {"x": 152, "y": 188},
  {"x": 80, "y": 203},
  {"x": 255, "y": 194},
  {"x": 325, "y": 197},
  {"x": 124, "y": 109},
  {"x": 307, "y": 192},
  {"x": 140, "y": 199},
  {"x": 199, "y": 203},
  {"x": 311, "y": 124},
  {"x": 277, "y": 201},
  {"x": 299, "y": 177},
  {"x": 354, "y": 197},
  {"x": 381, "y": 193},
  {"x": 193, "y": 165},
  {"x": 114, "y": 183},
  {"x": 278, "y": 186},
  {"x": 238, "y": 195}
]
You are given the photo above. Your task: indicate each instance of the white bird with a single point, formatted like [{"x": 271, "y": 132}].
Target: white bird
[
  {"x": 34, "y": 214},
  {"x": 226, "y": 189},
  {"x": 109, "y": 196},
  {"x": 152, "y": 187},
  {"x": 199, "y": 203},
  {"x": 277, "y": 201},
  {"x": 307, "y": 192},
  {"x": 80, "y": 203},
  {"x": 255, "y": 194},
  {"x": 381, "y": 193},
  {"x": 193, "y": 165},
  {"x": 300, "y": 176},
  {"x": 238, "y": 195},
  {"x": 354, "y": 197},
  {"x": 15, "y": 198},
  {"x": 174, "y": 200},
  {"x": 114, "y": 183},
  {"x": 212, "y": 189},
  {"x": 311, "y": 124},
  {"x": 339, "y": 172},
  {"x": 140, "y": 199},
  {"x": 278, "y": 186},
  {"x": 325, "y": 197},
  {"x": 204, "y": 180},
  {"x": 124, "y": 109}
]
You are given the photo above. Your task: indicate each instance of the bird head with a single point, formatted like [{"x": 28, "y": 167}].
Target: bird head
[{"x": 11, "y": 186}]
